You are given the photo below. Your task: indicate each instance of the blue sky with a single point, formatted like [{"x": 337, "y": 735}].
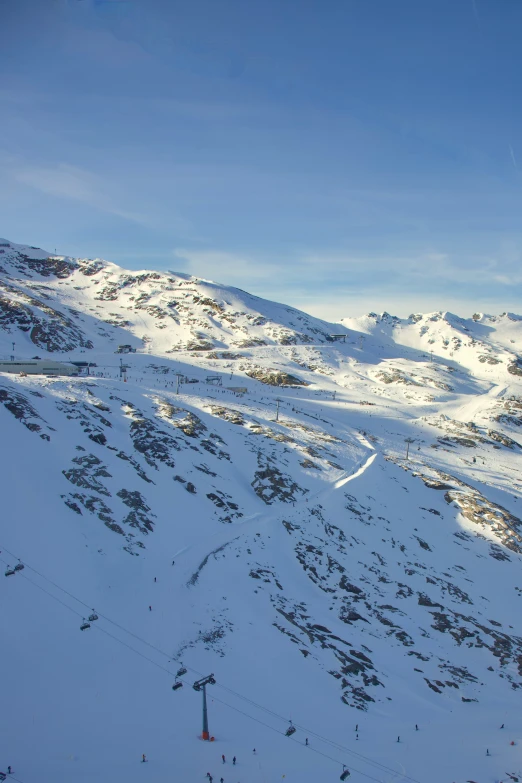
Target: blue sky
[{"x": 339, "y": 155}]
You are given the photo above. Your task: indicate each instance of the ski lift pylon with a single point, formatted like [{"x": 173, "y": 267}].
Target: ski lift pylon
[{"x": 290, "y": 730}]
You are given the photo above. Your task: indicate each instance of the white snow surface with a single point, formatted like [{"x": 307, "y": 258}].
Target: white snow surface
[{"x": 321, "y": 576}]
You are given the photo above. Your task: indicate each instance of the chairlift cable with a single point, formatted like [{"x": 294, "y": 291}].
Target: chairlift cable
[
  {"x": 163, "y": 668},
  {"x": 103, "y": 630},
  {"x": 336, "y": 746}
]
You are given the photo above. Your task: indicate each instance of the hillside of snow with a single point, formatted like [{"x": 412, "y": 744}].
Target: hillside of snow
[{"x": 340, "y": 545}]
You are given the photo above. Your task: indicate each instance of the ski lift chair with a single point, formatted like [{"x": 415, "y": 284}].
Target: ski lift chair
[
  {"x": 345, "y": 774},
  {"x": 19, "y": 567},
  {"x": 93, "y": 617},
  {"x": 181, "y": 672},
  {"x": 290, "y": 730},
  {"x": 84, "y": 626},
  {"x": 177, "y": 685},
  {"x": 10, "y": 571}
]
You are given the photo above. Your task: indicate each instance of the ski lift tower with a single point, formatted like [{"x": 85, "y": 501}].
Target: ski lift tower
[
  {"x": 408, "y": 441},
  {"x": 279, "y": 401},
  {"x": 201, "y": 685},
  {"x": 179, "y": 379},
  {"x": 123, "y": 370}
]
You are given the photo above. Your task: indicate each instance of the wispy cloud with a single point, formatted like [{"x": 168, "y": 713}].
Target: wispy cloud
[
  {"x": 225, "y": 266},
  {"x": 337, "y": 285},
  {"x": 423, "y": 267},
  {"x": 511, "y": 152},
  {"x": 71, "y": 182}
]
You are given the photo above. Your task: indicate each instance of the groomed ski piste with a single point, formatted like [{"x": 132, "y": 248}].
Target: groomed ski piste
[{"x": 341, "y": 550}]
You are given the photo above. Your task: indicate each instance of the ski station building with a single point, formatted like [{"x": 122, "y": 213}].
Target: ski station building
[{"x": 39, "y": 367}]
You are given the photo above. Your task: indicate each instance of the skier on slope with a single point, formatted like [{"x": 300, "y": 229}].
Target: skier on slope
[
  {"x": 234, "y": 761},
  {"x": 223, "y": 758}
]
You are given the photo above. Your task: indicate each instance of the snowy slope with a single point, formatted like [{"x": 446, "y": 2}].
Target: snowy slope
[{"x": 298, "y": 555}]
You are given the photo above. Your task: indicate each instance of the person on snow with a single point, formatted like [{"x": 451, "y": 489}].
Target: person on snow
[
  {"x": 234, "y": 761},
  {"x": 398, "y": 739},
  {"x": 487, "y": 751},
  {"x": 416, "y": 727},
  {"x": 9, "y": 770},
  {"x": 143, "y": 757},
  {"x": 306, "y": 741},
  {"x": 223, "y": 758}
]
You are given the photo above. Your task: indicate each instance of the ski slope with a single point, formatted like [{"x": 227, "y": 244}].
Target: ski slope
[{"x": 288, "y": 547}]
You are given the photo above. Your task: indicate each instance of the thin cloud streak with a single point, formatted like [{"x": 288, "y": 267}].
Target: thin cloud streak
[
  {"x": 430, "y": 266},
  {"x": 339, "y": 285},
  {"x": 71, "y": 182},
  {"x": 511, "y": 152}
]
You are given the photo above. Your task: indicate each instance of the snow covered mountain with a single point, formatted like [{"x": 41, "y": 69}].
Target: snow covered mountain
[{"x": 340, "y": 545}]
